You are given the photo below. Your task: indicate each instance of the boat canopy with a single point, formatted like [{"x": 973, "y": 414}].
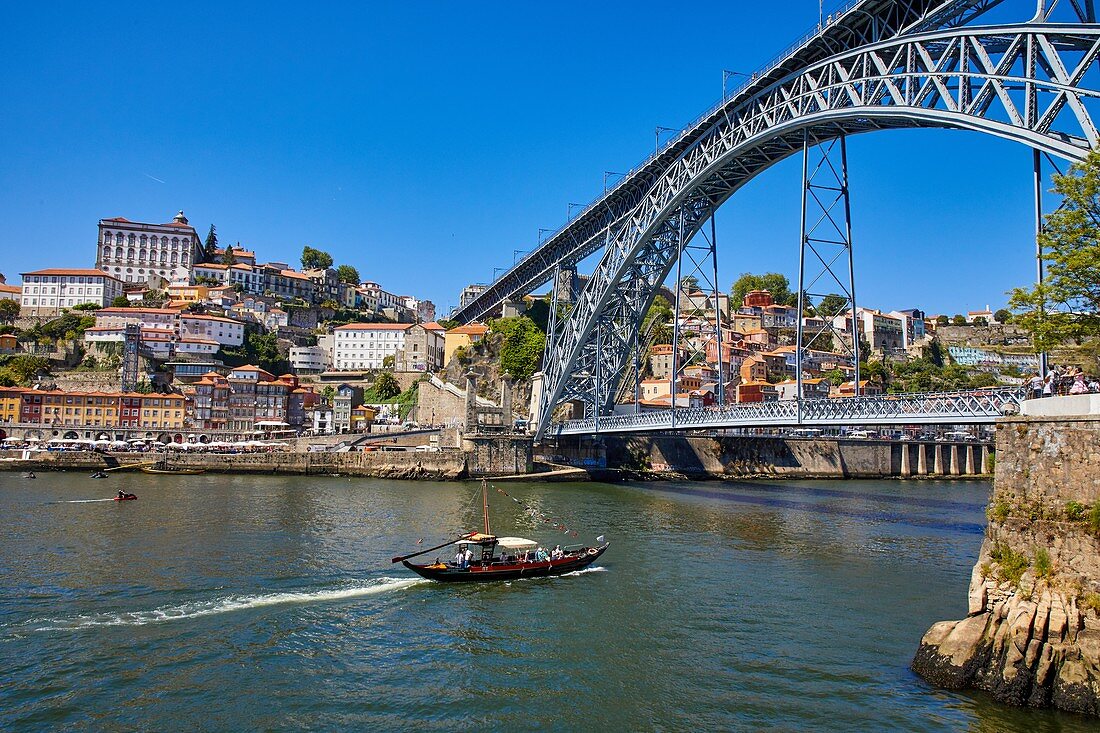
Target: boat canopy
[{"x": 517, "y": 543}]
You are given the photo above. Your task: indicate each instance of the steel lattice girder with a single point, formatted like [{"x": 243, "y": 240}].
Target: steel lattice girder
[
  {"x": 944, "y": 408},
  {"x": 863, "y": 23},
  {"x": 983, "y": 79}
]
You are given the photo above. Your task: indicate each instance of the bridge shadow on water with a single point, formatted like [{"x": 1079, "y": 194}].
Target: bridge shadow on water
[{"x": 767, "y": 495}]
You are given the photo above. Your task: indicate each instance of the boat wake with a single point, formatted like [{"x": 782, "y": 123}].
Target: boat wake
[
  {"x": 79, "y": 501},
  {"x": 582, "y": 571},
  {"x": 224, "y": 605}
]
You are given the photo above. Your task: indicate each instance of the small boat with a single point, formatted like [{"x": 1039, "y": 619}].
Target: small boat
[
  {"x": 99, "y": 474},
  {"x": 174, "y": 471},
  {"x": 126, "y": 497},
  {"x": 501, "y": 558},
  {"x": 29, "y": 474}
]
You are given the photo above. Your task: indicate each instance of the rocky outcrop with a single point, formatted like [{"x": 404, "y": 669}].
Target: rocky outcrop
[{"x": 1032, "y": 633}]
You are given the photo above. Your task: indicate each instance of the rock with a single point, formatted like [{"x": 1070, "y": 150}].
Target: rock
[{"x": 978, "y": 596}]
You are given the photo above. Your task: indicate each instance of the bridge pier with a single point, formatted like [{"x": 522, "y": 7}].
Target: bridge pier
[
  {"x": 937, "y": 460},
  {"x": 970, "y": 461},
  {"x": 922, "y": 459},
  {"x": 985, "y": 459},
  {"x": 905, "y": 468}
]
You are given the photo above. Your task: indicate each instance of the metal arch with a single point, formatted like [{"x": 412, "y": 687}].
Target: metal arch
[
  {"x": 858, "y": 23},
  {"x": 962, "y": 78}
]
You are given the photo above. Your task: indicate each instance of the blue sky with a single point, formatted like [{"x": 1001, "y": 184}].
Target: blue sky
[{"x": 424, "y": 142}]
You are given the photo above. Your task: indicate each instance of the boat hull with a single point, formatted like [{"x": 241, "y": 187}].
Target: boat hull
[
  {"x": 174, "y": 472},
  {"x": 486, "y": 574}
]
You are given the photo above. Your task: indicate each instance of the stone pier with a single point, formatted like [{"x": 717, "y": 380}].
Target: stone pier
[{"x": 1032, "y": 633}]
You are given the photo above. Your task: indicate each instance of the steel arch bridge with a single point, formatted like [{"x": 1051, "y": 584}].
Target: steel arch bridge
[{"x": 915, "y": 65}]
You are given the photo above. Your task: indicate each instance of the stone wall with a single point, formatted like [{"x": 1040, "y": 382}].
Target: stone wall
[
  {"x": 1032, "y": 634},
  {"x": 771, "y": 456},
  {"x": 497, "y": 455}
]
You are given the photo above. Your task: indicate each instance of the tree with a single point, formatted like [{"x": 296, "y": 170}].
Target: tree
[
  {"x": 1066, "y": 305},
  {"x": 9, "y": 310},
  {"x": 388, "y": 361},
  {"x": 209, "y": 250},
  {"x": 539, "y": 312},
  {"x": 86, "y": 307},
  {"x": 521, "y": 347},
  {"x": 120, "y": 301},
  {"x": 230, "y": 258},
  {"x": 1003, "y": 315},
  {"x": 315, "y": 259},
  {"x": 347, "y": 274},
  {"x": 659, "y": 319},
  {"x": 958, "y": 320},
  {"x": 773, "y": 282},
  {"x": 835, "y": 377},
  {"x": 942, "y": 320},
  {"x": 689, "y": 284},
  {"x": 980, "y": 321},
  {"x": 385, "y": 386},
  {"x": 832, "y": 305}
]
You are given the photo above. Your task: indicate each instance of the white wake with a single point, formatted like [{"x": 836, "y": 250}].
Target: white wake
[
  {"x": 80, "y": 501},
  {"x": 225, "y": 605}
]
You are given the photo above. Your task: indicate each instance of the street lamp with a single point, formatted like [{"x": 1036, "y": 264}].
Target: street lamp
[
  {"x": 657, "y": 136},
  {"x": 726, "y": 74},
  {"x": 610, "y": 173},
  {"x": 515, "y": 253},
  {"x": 569, "y": 210},
  {"x": 496, "y": 270},
  {"x": 543, "y": 231}
]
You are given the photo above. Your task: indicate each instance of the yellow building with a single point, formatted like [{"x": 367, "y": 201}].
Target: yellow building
[
  {"x": 188, "y": 293},
  {"x": 162, "y": 411},
  {"x": 361, "y": 417},
  {"x": 462, "y": 337},
  {"x": 10, "y": 400}
]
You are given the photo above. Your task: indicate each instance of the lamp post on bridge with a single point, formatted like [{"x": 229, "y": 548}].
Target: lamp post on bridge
[
  {"x": 610, "y": 173},
  {"x": 726, "y": 74},
  {"x": 569, "y": 210},
  {"x": 657, "y": 137}
]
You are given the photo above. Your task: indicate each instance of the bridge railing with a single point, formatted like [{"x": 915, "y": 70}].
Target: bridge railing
[{"x": 975, "y": 405}]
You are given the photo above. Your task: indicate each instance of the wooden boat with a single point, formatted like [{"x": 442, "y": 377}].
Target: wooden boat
[
  {"x": 501, "y": 558},
  {"x": 173, "y": 471}
]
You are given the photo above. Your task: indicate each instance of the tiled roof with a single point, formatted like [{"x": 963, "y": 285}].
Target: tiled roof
[{"x": 375, "y": 327}]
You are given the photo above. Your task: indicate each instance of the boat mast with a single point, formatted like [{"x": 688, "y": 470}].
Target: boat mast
[{"x": 485, "y": 503}]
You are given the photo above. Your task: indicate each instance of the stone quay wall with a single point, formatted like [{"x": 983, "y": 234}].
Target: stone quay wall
[
  {"x": 748, "y": 456},
  {"x": 1032, "y": 633}
]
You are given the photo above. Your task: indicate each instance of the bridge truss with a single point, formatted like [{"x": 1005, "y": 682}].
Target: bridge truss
[{"x": 887, "y": 65}]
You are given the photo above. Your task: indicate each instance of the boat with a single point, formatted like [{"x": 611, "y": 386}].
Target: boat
[
  {"x": 173, "y": 471},
  {"x": 501, "y": 558},
  {"x": 126, "y": 497},
  {"x": 98, "y": 474}
]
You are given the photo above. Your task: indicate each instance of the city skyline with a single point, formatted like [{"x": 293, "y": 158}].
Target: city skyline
[{"x": 330, "y": 146}]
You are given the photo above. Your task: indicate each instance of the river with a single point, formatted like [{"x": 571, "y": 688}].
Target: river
[{"x": 229, "y": 602}]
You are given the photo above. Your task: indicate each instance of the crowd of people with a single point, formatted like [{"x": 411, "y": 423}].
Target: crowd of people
[{"x": 1062, "y": 381}]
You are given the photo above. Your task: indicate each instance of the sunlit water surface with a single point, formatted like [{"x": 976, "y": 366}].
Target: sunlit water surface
[{"x": 230, "y": 603}]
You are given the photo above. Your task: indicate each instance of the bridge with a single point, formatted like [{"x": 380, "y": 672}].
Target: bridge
[{"x": 876, "y": 65}]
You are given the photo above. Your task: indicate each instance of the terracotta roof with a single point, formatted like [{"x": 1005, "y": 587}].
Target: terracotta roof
[
  {"x": 119, "y": 218},
  {"x": 197, "y": 317},
  {"x": 375, "y": 327},
  {"x": 4, "y": 288},
  {"x": 73, "y": 271},
  {"x": 474, "y": 329},
  {"x": 125, "y": 311}
]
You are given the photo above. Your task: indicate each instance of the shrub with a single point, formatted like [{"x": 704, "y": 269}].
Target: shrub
[
  {"x": 990, "y": 462},
  {"x": 1044, "y": 566},
  {"x": 1012, "y": 564},
  {"x": 1075, "y": 511},
  {"x": 1094, "y": 518},
  {"x": 1090, "y": 602},
  {"x": 999, "y": 510}
]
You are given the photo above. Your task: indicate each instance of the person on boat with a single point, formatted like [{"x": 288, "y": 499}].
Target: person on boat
[
  {"x": 121, "y": 494},
  {"x": 460, "y": 558},
  {"x": 540, "y": 555},
  {"x": 30, "y": 474},
  {"x": 467, "y": 557},
  {"x": 556, "y": 553}
]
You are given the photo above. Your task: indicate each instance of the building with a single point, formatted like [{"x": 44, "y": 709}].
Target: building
[
  {"x": 422, "y": 350},
  {"x": 815, "y": 388},
  {"x": 912, "y": 321},
  {"x": 133, "y": 251},
  {"x": 223, "y": 331},
  {"x": 359, "y": 346},
  {"x": 48, "y": 292},
  {"x": 881, "y": 331},
  {"x": 240, "y": 255},
  {"x": 756, "y": 392},
  {"x": 309, "y": 359},
  {"x": 10, "y": 292},
  {"x": 462, "y": 337},
  {"x": 469, "y": 294},
  {"x": 985, "y": 315},
  {"x": 346, "y": 399},
  {"x": 376, "y": 300}
]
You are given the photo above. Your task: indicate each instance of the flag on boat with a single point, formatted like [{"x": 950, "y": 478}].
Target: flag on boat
[{"x": 599, "y": 539}]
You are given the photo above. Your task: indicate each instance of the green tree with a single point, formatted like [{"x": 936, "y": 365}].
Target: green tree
[
  {"x": 689, "y": 283},
  {"x": 521, "y": 346},
  {"x": 385, "y": 386},
  {"x": 659, "y": 319},
  {"x": 388, "y": 361},
  {"x": 773, "y": 282},
  {"x": 980, "y": 321},
  {"x": 22, "y": 368},
  {"x": 835, "y": 377},
  {"x": 1003, "y": 315},
  {"x": 120, "y": 301},
  {"x": 958, "y": 320},
  {"x": 1065, "y": 307},
  {"x": 230, "y": 257},
  {"x": 447, "y": 323},
  {"x": 9, "y": 310},
  {"x": 347, "y": 274},
  {"x": 539, "y": 312},
  {"x": 86, "y": 307},
  {"x": 832, "y": 305},
  {"x": 209, "y": 249},
  {"x": 942, "y": 320},
  {"x": 315, "y": 259},
  {"x": 259, "y": 348}
]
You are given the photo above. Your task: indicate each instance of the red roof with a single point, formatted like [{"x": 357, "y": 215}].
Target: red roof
[
  {"x": 375, "y": 327},
  {"x": 74, "y": 271}
]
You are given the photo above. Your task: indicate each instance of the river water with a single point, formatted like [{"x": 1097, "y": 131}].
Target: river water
[{"x": 230, "y": 603}]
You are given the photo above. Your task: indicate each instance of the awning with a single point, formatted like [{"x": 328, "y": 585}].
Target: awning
[{"x": 517, "y": 543}]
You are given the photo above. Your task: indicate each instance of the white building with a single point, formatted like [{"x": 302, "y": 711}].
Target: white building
[
  {"x": 308, "y": 359},
  {"x": 47, "y": 292},
  {"x": 133, "y": 251},
  {"x": 366, "y": 345},
  {"x": 469, "y": 293},
  {"x": 224, "y": 331}
]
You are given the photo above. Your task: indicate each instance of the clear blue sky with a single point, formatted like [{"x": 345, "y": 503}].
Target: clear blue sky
[{"x": 424, "y": 142}]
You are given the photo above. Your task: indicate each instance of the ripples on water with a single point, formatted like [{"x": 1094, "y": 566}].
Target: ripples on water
[{"x": 233, "y": 603}]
